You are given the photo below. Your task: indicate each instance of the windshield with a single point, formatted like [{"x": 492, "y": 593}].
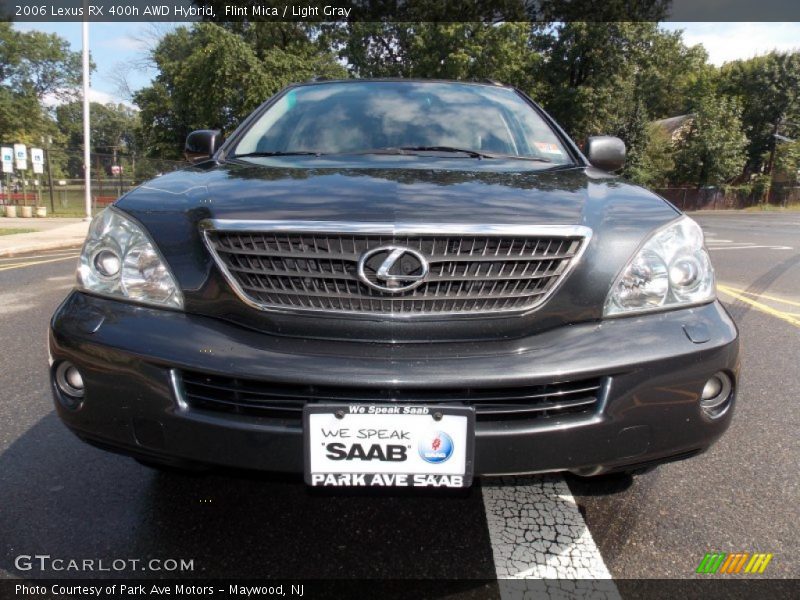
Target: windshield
[{"x": 404, "y": 117}]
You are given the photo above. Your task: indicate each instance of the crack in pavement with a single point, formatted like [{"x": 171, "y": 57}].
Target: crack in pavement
[{"x": 537, "y": 532}]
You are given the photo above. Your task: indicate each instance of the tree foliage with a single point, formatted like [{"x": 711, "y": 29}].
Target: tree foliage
[
  {"x": 655, "y": 159},
  {"x": 787, "y": 162},
  {"x": 35, "y": 67},
  {"x": 466, "y": 51},
  {"x": 212, "y": 76},
  {"x": 768, "y": 88},
  {"x": 113, "y": 131},
  {"x": 609, "y": 76},
  {"x": 597, "y": 77},
  {"x": 713, "y": 150}
]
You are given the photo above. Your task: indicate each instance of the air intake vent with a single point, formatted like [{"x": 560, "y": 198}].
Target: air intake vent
[{"x": 286, "y": 401}]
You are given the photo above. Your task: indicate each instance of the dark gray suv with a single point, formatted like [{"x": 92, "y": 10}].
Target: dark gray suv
[{"x": 396, "y": 283}]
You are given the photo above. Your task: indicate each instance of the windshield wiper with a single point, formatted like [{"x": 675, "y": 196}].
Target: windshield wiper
[
  {"x": 278, "y": 153},
  {"x": 471, "y": 153}
]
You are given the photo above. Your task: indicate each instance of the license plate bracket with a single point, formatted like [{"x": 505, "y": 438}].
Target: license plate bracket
[{"x": 388, "y": 445}]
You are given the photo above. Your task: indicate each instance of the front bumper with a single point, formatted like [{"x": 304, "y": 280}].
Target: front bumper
[{"x": 653, "y": 368}]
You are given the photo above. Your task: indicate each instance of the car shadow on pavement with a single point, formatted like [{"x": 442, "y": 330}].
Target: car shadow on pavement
[
  {"x": 600, "y": 485},
  {"x": 62, "y": 498}
]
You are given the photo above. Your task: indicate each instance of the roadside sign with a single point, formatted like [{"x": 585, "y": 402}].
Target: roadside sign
[
  {"x": 8, "y": 159},
  {"x": 37, "y": 158},
  {"x": 21, "y": 157}
]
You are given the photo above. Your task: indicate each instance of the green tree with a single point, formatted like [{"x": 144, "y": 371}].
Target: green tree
[
  {"x": 211, "y": 76},
  {"x": 113, "y": 129},
  {"x": 465, "y": 51},
  {"x": 656, "y": 161},
  {"x": 768, "y": 88},
  {"x": 713, "y": 150},
  {"x": 34, "y": 67},
  {"x": 787, "y": 162},
  {"x": 603, "y": 77}
]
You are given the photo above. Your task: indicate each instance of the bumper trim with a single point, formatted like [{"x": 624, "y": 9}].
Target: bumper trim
[
  {"x": 648, "y": 410},
  {"x": 178, "y": 393}
]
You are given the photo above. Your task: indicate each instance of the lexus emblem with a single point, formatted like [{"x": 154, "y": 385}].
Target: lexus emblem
[{"x": 392, "y": 269}]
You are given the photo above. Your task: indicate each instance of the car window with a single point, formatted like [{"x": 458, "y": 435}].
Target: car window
[{"x": 358, "y": 117}]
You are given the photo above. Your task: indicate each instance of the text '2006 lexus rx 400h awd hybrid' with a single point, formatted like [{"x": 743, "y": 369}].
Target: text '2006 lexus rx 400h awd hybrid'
[{"x": 396, "y": 282}]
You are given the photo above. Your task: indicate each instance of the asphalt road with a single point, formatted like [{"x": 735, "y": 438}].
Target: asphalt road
[
  {"x": 742, "y": 495},
  {"x": 62, "y": 498}
]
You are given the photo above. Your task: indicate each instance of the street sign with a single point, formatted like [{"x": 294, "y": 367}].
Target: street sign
[
  {"x": 37, "y": 158},
  {"x": 21, "y": 157},
  {"x": 8, "y": 159}
]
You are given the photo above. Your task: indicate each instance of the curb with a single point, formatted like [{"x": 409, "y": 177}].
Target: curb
[{"x": 39, "y": 247}]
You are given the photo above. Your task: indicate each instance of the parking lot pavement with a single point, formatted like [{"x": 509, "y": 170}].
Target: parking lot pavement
[{"x": 63, "y": 498}]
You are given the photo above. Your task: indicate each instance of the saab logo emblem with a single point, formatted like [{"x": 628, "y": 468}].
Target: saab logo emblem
[
  {"x": 721, "y": 563},
  {"x": 436, "y": 449}
]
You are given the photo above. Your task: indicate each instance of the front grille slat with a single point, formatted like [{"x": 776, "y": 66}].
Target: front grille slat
[
  {"x": 474, "y": 273},
  {"x": 572, "y": 399}
]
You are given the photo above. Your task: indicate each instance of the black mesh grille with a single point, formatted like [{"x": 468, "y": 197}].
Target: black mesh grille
[
  {"x": 468, "y": 274},
  {"x": 286, "y": 401}
]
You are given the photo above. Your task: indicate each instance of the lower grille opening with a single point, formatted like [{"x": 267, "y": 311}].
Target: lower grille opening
[{"x": 573, "y": 399}]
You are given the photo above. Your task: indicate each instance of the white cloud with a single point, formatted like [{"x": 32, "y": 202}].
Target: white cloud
[
  {"x": 94, "y": 96},
  {"x": 732, "y": 41}
]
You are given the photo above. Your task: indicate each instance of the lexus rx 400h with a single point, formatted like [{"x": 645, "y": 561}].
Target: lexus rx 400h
[{"x": 396, "y": 282}]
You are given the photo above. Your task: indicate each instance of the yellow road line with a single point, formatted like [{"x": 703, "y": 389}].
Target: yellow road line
[
  {"x": 760, "y": 306},
  {"x": 765, "y": 297},
  {"x": 35, "y": 262}
]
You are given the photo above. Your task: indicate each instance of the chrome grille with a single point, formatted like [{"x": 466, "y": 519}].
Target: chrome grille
[
  {"x": 277, "y": 400},
  {"x": 314, "y": 266}
]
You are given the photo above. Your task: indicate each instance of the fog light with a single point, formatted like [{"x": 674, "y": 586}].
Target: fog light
[
  {"x": 69, "y": 380},
  {"x": 716, "y": 396},
  {"x": 712, "y": 388}
]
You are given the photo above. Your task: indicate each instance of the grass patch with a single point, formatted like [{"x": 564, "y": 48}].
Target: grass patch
[
  {"x": 773, "y": 208},
  {"x": 15, "y": 230}
]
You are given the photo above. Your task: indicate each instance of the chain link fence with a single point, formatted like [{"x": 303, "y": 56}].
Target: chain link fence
[
  {"x": 112, "y": 176},
  {"x": 721, "y": 198}
]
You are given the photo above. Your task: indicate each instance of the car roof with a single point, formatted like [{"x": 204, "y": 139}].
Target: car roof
[{"x": 324, "y": 81}]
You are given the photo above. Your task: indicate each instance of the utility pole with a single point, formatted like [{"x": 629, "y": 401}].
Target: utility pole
[{"x": 87, "y": 132}]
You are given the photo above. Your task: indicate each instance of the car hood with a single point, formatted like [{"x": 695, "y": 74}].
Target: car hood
[
  {"x": 395, "y": 190},
  {"x": 387, "y": 189}
]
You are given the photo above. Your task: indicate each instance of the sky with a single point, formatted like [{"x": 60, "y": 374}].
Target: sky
[{"x": 118, "y": 47}]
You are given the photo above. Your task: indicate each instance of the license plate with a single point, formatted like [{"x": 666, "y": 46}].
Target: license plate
[{"x": 381, "y": 445}]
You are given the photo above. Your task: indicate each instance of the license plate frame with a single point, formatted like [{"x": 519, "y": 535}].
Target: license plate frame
[{"x": 457, "y": 422}]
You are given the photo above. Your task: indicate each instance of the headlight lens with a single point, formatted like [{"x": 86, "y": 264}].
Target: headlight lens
[
  {"x": 672, "y": 269},
  {"x": 118, "y": 259}
]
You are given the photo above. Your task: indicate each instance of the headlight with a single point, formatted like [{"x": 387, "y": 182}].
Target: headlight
[
  {"x": 119, "y": 260},
  {"x": 670, "y": 270}
]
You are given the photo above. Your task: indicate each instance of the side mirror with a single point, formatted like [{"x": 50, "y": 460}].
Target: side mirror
[
  {"x": 606, "y": 152},
  {"x": 201, "y": 145}
]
